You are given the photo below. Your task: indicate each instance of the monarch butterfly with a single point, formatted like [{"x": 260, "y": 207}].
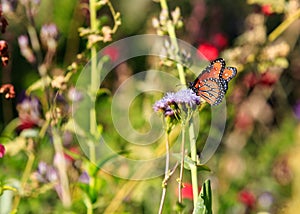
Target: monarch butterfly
[{"x": 212, "y": 84}]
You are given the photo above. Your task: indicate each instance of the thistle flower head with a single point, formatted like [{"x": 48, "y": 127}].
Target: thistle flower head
[{"x": 172, "y": 102}]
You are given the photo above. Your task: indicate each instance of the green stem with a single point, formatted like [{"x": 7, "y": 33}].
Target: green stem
[
  {"x": 194, "y": 159},
  {"x": 167, "y": 176},
  {"x": 181, "y": 165},
  {"x": 94, "y": 77},
  {"x": 24, "y": 179},
  {"x": 283, "y": 26},
  {"x": 173, "y": 38}
]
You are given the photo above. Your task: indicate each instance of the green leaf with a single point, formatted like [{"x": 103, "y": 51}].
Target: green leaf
[
  {"x": 204, "y": 203},
  {"x": 202, "y": 167}
]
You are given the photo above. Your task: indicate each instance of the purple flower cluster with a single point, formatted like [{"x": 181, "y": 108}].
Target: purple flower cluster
[
  {"x": 46, "y": 173},
  {"x": 184, "y": 98}
]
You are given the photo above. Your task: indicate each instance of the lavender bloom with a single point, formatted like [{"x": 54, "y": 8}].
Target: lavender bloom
[
  {"x": 46, "y": 173},
  {"x": 26, "y": 51},
  {"x": 49, "y": 31},
  {"x": 185, "y": 99},
  {"x": 74, "y": 95},
  {"x": 297, "y": 110},
  {"x": 84, "y": 178},
  {"x": 49, "y": 36}
]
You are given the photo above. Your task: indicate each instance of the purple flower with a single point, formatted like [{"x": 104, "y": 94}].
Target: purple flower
[
  {"x": 74, "y": 95},
  {"x": 29, "y": 110},
  {"x": 171, "y": 102},
  {"x": 46, "y": 173},
  {"x": 297, "y": 110},
  {"x": 49, "y": 31},
  {"x": 84, "y": 178}
]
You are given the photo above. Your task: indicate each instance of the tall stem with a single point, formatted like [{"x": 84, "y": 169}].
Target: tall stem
[
  {"x": 167, "y": 175},
  {"x": 24, "y": 179},
  {"x": 173, "y": 38},
  {"x": 181, "y": 165},
  {"x": 194, "y": 159},
  {"x": 94, "y": 78}
]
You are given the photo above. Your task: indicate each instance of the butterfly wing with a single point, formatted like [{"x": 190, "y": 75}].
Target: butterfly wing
[
  {"x": 214, "y": 70},
  {"x": 211, "y": 90},
  {"x": 212, "y": 84},
  {"x": 227, "y": 74}
]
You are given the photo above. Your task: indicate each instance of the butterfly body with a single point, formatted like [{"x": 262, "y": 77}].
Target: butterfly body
[{"x": 212, "y": 83}]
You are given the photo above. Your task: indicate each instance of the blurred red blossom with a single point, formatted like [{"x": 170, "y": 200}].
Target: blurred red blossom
[
  {"x": 112, "y": 52},
  {"x": 2, "y": 151},
  {"x": 250, "y": 80},
  {"x": 220, "y": 40},
  {"x": 207, "y": 50},
  {"x": 247, "y": 198},
  {"x": 266, "y": 9},
  {"x": 269, "y": 78},
  {"x": 187, "y": 191}
]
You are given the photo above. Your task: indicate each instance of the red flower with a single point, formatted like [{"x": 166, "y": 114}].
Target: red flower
[
  {"x": 220, "y": 41},
  {"x": 269, "y": 78},
  {"x": 208, "y": 51},
  {"x": 266, "y": 9},
  {"x": 187, "y": 191},
  {"x": 2, "y": 151},
  {"x": 247, "y": 198},
  {"x": 112, "y": 52},
  {"x": 250, "y": 80}
]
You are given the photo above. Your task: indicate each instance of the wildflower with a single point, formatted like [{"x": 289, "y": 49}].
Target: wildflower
[
  {"x": 207, "y": 50},
  {"x": 297, "y": 110},
  {"x": 171, "y": 102},
  {"x": 269, "y": 78},
  {"x": 49, "y": 35},
  {"x": 45, "y": 173},
  {"x": 187, "y": 191},
  {"x": 250, "y": 80},
  {"x": 2, "y": 151},
  {"x": 266, "y": 9},
  {"x": 220, "y": 41},
  {"x": 49, "y": 31},
  {"x": 26, "y": 51},
  {"x": 247, "y": 198},
  {"x": 112, "y": 52},
  {"x": 29, "y": 110},
  {"x": 84, "y": 178},
  {"x": 265, "y": 200}
]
